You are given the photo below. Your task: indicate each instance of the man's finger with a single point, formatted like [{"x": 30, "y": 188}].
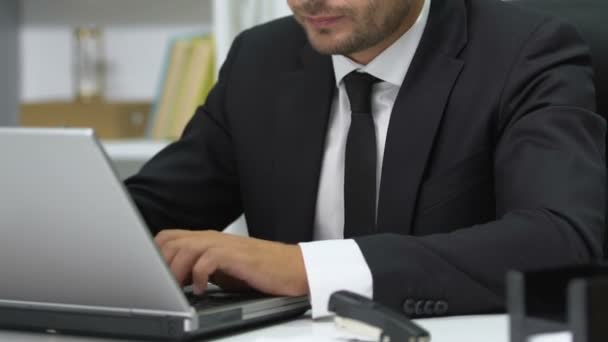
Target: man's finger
[
  {"x": 168, "y": 253},
  {"x": 229, "y": 283},
  {"x": 207, "y": 264},
  {"x": 170, "y": 234},
  {"x": 183, "y": 263}
]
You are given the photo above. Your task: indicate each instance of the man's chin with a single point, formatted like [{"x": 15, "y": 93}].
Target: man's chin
[{"x": 327, "y": 47}]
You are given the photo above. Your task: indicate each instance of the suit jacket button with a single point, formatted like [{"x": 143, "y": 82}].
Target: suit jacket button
[
  {"x": 429, "y": 308},
  {"x": 420, "y": 308},
  {"x": 441, "y": 307},
  {"x": 409, "y": 307}
]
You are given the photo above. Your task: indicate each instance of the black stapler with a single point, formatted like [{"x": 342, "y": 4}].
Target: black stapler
[{"x": 363, "y": 316}]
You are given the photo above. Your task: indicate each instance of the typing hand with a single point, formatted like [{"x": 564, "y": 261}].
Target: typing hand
[{"x": 233, "y": 262}]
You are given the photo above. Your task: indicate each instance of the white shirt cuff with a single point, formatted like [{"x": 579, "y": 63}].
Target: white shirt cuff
[{"x": 334, "y": 265}]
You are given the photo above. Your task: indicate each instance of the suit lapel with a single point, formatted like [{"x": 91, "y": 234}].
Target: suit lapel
[
  {"x": 418, "y": 112},
  {"x": 303, "y": 104}
]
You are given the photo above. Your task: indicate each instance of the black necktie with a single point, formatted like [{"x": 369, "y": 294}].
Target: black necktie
[{"x": 360, "y": 164}]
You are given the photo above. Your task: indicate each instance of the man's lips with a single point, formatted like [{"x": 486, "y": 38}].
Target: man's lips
[{"x": 321, "y": 22}]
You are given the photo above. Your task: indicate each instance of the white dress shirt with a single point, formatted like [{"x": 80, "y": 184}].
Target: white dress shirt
[{"x": 334, "y": 263}]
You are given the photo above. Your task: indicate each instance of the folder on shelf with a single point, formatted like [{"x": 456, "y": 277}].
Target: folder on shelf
[
  {"x": 196, "y": 84},
  {"x": 169, "y": 87},
  {"x": 188, "y": 78}
]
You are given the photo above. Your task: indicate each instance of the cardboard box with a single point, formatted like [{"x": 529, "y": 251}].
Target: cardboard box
[{"x": 110, "y": 120}]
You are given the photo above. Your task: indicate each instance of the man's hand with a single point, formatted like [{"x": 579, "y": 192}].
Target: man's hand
[{"x": 231, "y": 260}]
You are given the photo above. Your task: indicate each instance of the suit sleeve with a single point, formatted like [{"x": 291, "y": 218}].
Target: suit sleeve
[
  {"x": 550, "y": 182},
  {"x": 193, "y": 183}
]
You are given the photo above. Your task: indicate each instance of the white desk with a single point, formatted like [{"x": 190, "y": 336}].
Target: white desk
[
  {"x": 134, "y": 150},
  {"x": 491, "y": 328},
  {"x": 128, "y": 156}
]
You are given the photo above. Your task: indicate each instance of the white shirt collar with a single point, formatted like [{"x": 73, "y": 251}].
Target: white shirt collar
[{"x": 393, "y": 63}]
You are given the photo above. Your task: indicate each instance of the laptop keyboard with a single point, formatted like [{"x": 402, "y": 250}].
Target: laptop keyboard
[{"x": 216, "y": 298}]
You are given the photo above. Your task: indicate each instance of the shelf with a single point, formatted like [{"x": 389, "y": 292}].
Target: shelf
[
  {"x": 136, "y": 37},
  {"x": 110, "y": 120},
  {"x": 136, "y": 150},
  {"x": 128, "y": 156}
]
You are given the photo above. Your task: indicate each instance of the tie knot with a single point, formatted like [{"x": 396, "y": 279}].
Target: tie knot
[{"x": 359, "y": 89}]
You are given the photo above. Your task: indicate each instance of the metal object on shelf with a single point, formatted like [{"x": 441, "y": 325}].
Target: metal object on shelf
[
  {"x": 90, "y": 64},
  {"x": 570, "y": 300}
]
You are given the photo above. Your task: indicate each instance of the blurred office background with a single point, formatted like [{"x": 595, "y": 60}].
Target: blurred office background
[
  {"x": 154, "y": 61},
  {"x": 40, "y": 55}
]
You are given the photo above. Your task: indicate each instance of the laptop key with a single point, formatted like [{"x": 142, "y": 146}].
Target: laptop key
[{"x": 220, "y": 298}]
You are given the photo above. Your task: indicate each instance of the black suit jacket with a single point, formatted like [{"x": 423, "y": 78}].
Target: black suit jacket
[{"x": 493, "y": 159}]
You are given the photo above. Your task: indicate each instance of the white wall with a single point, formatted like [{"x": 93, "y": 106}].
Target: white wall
[
  {"x": 230, "y": 17},
  {"x": 136, "y": 36}
]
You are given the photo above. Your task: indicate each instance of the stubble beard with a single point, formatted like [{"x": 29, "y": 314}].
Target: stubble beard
[{"x": 366, "y": 32}]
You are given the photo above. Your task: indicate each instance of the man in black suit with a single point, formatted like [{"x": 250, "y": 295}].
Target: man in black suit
[{"x": 472, "y": 149}]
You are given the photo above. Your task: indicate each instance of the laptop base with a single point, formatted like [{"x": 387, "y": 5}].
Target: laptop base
[{"x": 134, "y": 326}]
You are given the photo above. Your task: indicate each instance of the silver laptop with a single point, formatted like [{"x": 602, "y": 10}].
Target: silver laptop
[{"x": 76, "y": 257}]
